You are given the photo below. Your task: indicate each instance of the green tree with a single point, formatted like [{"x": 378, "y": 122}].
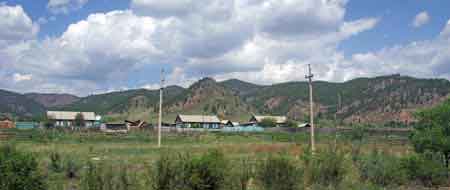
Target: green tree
[
  {"x": 19, "y": 170},
  {"x": 268, "y": 122},
  {"x": 79, "y": 120},
  {"x": 432, "y": 132},
  {"x": 291, "y": 123},
  {"x": 48, "y": 122}
]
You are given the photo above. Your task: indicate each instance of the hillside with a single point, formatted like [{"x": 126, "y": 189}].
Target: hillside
[
  {"x": 52, "y": 100},
  {"x": 380, "y": 99},
  {"x": 15, "y": 104},
  {"x": 123, "y": 101},
  {"x": 209, "y": 97}
]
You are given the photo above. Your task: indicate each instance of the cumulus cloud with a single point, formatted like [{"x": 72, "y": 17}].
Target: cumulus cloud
[
  {"x": 15, "y": 25},
  {"x": 262, "y": 41},
  {"x": 421, "y": 19},
  {"x": 65, "y": 6},
  {"x": 430, "y": 58}
]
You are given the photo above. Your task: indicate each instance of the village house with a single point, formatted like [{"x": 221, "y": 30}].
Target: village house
[
  {"x": 197, "y": 121},
  {"x": 6, "y": 123},
  {"x": 228, "y": 123},
  {"x": 67, "y": 118},
  {"x": 279, "y": 120}
]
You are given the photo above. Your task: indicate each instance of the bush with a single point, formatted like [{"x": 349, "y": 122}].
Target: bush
[
  {"x": 71, "y": 168},
  {"x": 382, "y": 169},
  {"x": 184, "y": 172},
  {"x": 105, "y": 177},
  {"x": 427, "y": 169},
  {"x": 291, "y": 124},
  {"x": 327, "y": 167},
  {"x": 268, "y": 122},
  {"x": 244, "y": 173},
  {"x": 56, "y": 162},
  {"x": 19, "y": 171},
  {"x": 279, "y": 173}
]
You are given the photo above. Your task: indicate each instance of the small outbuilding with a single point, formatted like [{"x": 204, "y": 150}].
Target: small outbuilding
[{"x": 198, "y": 121}]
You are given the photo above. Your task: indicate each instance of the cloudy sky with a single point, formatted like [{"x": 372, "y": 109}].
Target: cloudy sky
[{"x": 92, "y": 46}]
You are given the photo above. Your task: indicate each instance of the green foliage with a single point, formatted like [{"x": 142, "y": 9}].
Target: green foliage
[
  {"x": 425, "y": 168},
  {"x": 432, "y": 132},
  {"x": 19, "y": 171},
  {"x": 267, "y": 122},
  {"x": 48, "y": 122},
  {"x": 242, "y": 173},
  {"x": 382, "y": 169},
  {"x": 326, "y": 167},
  {"x": 56, "y": 162},
  {"x": 279, "y": 173},
  {"x": 183, "y": 172},
  {"x": 291, "y": 124},
  {"x": 79, "y": 120},
  {"x": 107, "y": 177}
]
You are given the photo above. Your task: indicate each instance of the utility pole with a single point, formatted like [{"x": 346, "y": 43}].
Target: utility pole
[
  {"x": 160, "y": 107},
  {"x": 309, "y": 76}
]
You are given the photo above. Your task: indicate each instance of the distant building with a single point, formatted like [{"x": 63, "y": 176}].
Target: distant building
[
  {"x": 279, "y": 120},
  {"x": 114, "y": 127},
  {"x": 26, "y": 125},
  {"x": 228, "y": 123},
  {"x": 304, "y": 125},
  {"x": 6, "y": 123},
  {"x": 67, "y": 118},
  {"x": 198, "y": 121}
]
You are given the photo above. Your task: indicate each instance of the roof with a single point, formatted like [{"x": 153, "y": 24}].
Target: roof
[
  {"x": 199, "y": 118},
  {"x": 278, "y": 119},
  {"x": 68, "y": 115}
]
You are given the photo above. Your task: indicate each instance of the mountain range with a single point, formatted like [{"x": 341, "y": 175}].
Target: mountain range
[{"x": 376, "y": 100}]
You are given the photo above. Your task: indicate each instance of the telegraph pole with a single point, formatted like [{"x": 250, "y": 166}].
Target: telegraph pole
[
  {"x": 311, "y": 111},
  {"x": 160, "y": 107}
]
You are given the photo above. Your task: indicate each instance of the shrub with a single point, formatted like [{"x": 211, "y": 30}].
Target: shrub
[
  {"x": 240, "y": 175},
  {"x": 245, "y": 174},
  {"x": 105, "y": 177},
  {"x": 71, "y": 168},
  {"x": 327, "y": 167},
  {"x": 279, "y": 173},
  {"x": 427, "y": 169},
  {"x": 19, "y": 171},
  {"x": 382, "y": 169},
  {"x": 268, "y": 122},
  {"x": 291, "y": 124},
  {"x": 184, "y": 172},
  {"x": 56, "y": 162}
]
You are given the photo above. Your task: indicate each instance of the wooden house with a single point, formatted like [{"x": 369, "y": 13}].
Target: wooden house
[{"x": 198, "y": 121}]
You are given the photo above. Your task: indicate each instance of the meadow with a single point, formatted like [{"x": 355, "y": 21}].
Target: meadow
[{"x": 342, "y": 161}]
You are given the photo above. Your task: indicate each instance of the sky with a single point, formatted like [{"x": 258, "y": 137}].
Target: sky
[{"x": 86, "y": 47}]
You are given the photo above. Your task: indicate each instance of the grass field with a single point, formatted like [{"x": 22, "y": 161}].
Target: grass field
[{"x": 137, "y": 150}]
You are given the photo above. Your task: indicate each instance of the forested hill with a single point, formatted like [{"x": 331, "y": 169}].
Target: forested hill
[{"x": 380, "y": 99}]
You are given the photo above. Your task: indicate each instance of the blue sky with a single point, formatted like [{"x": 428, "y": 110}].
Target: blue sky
[{"x": 95, "y": 46}]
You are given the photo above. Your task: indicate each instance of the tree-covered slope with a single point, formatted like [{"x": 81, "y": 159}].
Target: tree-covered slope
[{"x": 16, "y": 104}]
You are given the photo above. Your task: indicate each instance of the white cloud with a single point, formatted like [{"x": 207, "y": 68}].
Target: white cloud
[
  {"x": 65, "y": 6},
  {"x": 17, "y": 77},
  {"x": 15, "y": 25},
  {"x": 421, "y": 19},
  {"x": 246, "y": 39}
]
